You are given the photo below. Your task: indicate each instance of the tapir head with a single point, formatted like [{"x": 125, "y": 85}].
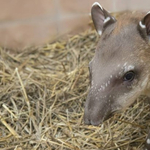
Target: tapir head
[{"x": 119, "y": 70}]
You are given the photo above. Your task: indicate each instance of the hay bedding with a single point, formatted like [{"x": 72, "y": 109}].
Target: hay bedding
[{"x": 42, "y": 96}]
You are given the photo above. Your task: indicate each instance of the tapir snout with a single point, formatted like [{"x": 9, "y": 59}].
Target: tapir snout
[{"x": 95, "y": 111}]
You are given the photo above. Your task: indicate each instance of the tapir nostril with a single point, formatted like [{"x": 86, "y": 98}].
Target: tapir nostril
[
  {"x": 95, "y": 123},
  {"x": 87, "y": 121}
]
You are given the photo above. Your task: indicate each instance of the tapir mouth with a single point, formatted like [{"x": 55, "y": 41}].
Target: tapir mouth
[
  {"x": 97, "y": 122},
  {"x": 97, "y": 115}
]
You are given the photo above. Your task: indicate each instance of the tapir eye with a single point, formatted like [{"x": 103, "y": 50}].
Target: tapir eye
[{"x": 129, "y": 76}]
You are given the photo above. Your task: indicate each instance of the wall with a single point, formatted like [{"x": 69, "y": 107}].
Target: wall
[{"x": 33, "y": 22}]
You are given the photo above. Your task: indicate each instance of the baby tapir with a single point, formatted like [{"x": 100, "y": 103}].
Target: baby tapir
[{"x": 120, "y": 68}]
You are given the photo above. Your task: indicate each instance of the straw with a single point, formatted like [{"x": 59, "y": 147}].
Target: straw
[{"x": 42, "y": 96}]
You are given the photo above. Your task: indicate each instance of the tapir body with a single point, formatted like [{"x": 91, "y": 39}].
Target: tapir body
[{"x": 120, "y": 68}]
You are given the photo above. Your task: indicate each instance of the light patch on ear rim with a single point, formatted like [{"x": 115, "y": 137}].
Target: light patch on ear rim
[
  {"x": 142, "y": 25},
  {"x": 148, "y": 13},
  {"x": 107, "y": 19},
  {"x": 96, "y": 3}
]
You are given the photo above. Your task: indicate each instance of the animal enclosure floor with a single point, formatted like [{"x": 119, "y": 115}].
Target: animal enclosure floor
[{"x": 42, "y": 96}]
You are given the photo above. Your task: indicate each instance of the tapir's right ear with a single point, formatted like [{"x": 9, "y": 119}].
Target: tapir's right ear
[
  {"x": 101, "y": 18},
  {"x": 144, "y": 25}
]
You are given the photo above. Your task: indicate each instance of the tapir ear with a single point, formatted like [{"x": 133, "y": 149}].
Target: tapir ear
[
  {"x": 101, "y": 18},
  {"x": 144, "y": 25}
]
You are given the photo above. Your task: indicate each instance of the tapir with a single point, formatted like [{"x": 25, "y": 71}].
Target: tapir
[{"x": 120, "y": 69}]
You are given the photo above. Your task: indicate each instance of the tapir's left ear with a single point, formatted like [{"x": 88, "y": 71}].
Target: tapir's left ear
[
  {"x": 101, "y": 18},
  {"x": 144, "y": 24}
]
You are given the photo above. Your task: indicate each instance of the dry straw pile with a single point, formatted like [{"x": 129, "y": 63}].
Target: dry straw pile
[{"x": 42, "y": 96}]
